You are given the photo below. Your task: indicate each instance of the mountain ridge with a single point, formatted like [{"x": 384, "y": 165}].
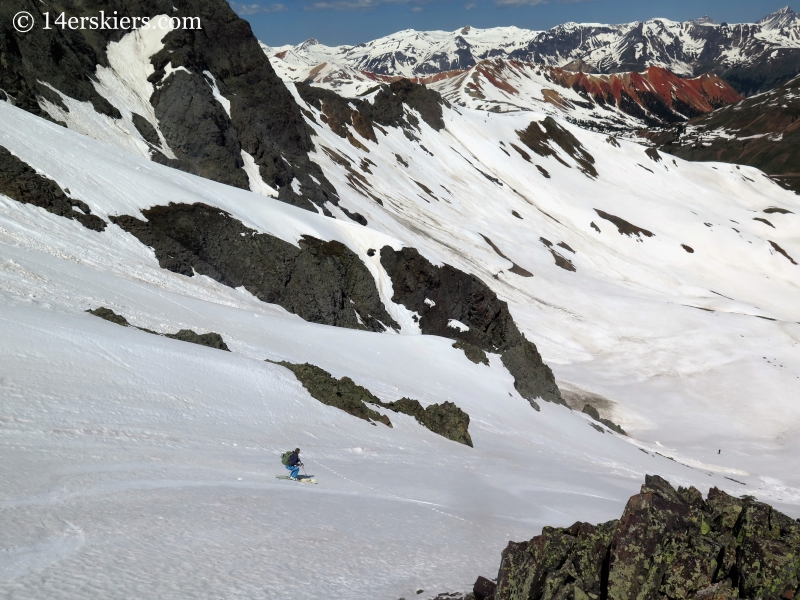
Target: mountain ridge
[{"x": 750, "y": 56}]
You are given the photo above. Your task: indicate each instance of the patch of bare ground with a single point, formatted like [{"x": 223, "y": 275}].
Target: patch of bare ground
[{"x": 623, "y": 226}]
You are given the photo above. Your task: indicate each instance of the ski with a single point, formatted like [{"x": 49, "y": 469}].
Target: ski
[{"x": 300, "y": 479}]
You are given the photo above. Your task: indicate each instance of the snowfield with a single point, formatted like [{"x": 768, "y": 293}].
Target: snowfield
[{"x": 136, "y": 466}]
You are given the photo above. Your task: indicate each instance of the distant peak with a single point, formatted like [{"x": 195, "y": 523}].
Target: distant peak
[
  {"x": 466, "y": 30},
  {"x": 785, "y": 17},
  {"x": 706, "y": 20},
  {"x": 310, "y": 42}
]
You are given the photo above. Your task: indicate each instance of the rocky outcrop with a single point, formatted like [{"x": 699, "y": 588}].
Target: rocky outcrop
[
  {"x": 387, "y": 109},
  {"x": 668, "y": 544},
  {"x": 595, "y": 414},
  {"x": 444, "y": 419},
  {"x": 343, "y": 393},
  {"x": 539, "y": 137},
  {"x": 207, "y": 140},
  {"x": 20, "y": 182},
  {"x": 456, "y": 305},
  {"x": 322, "y": 282},
  {"x": 210, "y": 340}
]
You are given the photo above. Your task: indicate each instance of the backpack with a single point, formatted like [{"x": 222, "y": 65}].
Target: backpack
[{"x": 286, "y": 456}]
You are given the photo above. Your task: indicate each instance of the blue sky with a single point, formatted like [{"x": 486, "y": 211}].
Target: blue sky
[{"x": 334, "y": 22}]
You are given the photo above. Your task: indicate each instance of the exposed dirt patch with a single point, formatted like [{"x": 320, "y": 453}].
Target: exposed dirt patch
[
  {"x": 689, "y": 249},
  {"x": 20, "y": 182},
  {"x": 781, "y": 211},
  {"x": 623, "y": 226},
  {"x": 653, "y": 154},
  {"x": 322, "y": 282},
  {"x": 516, "y": 214}
]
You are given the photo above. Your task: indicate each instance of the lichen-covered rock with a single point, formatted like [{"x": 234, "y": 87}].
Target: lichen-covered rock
[
  {"x": 669, "y": 544},
  {"x": 473, "y": 353},
  {"x": 211, "y": 340},
  {"x": 445, "y": 419},
  {"x": 342, "y": 393},
  {"x": 109, "y": 315}
]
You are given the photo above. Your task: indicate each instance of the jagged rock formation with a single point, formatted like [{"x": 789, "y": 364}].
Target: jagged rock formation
[
  {"x": 668, "y": 544},
  {"x": 210, "y": 340},
  {"x": 190, "y": 74},
  {"x": 445, "y": 419},
  {"x": 322, "y": 282},
  {"x": 20, "y": 182},
  {"x": 388, "y": 108},
  {"x": 462, "y": 307}
]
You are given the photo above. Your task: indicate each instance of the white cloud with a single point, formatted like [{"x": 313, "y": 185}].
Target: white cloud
[
  {"x": 255, "y": 9},
  {"x": 470, "y": 6}
]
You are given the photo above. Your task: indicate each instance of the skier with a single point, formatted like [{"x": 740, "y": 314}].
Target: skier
[{"x": 292, "y": 462}]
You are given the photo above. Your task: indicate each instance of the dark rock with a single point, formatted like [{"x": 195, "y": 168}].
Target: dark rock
[
  {"x": 780, "y": 250},
  {"x": 623, "y": 226},
  {"x": 198, "y": 130},
  {"x": 342, "y": 393},
  {"x": 212, "y": 340},
  {"x": 473, "y": 353},
  {"x": 147, "y": 131},
  {"x": 462, "y": 297},
  {"x": 445, "y": 419},
  {"x": 109, "y": 315},
  {"x": 322, "y": 282},
  {"x": 539, "y": 135},
  {"x": 688, "y": 249},
  {"x": 595, "y": 414},
  {"x": 265, "y": 120},
  {"x": 20, "y": 182},
  {"x": 484, "y": 589},
  {"x": 668, "y": 544}
]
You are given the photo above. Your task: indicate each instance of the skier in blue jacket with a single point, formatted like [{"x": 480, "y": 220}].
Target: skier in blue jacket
[{"x": 294, "y": 464}]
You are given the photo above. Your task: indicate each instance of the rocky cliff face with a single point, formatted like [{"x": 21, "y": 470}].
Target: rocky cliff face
[
  {"x": 454, "y": 304},
  {"x": 209, "y": 95},
  {"x": 668, "y": 544}
]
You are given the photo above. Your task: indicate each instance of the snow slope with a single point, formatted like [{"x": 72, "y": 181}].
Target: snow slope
[{"x": 140, "y": 466}]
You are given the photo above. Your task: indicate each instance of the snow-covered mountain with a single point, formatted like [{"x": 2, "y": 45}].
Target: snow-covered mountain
[
  {"x": 751, "y": 56},
  {"x": 424, "y": 251}
]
